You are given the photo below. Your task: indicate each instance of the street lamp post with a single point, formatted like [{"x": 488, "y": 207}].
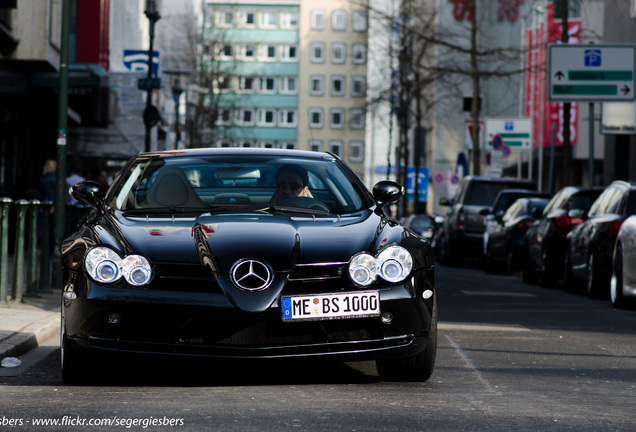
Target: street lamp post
[
  {"x": 178, "y": 84},
  {"x": 151, "y": 114}
]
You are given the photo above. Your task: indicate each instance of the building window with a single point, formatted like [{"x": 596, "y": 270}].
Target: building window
[
  {"x": 337, "y": 85},
  {"x": 315, "y": 145},
  {"x": 247, "y": 19},
  {"x": 356, "y": 151},
  {"x": 224, "y": 143},
  {"x": 335, "y": 147},
  {"x": 338, "y": 52},
  {"x": 339, "y": 20},
  {"x": 289, "y": 85},
  {"x": 266, "y": 117},
  {"x": 316, "y": 85},
  {"x": 358, "y": 86},
  {"x": 265, "y": 144},
  {"x": 267, "y": 85},
  {"x": 287, "y": 118},
  {"x": 244, "y": 117},
  {"x": 269, "y": 20},
  {"x": 315, "y": 118},
  {"x": 247, "y": 52},
  {"x": 246, "y": 84},
  {"x": 224, "y": 117},
  {"x": 359, "y": 53},
  {"x": 289, "y": 20},
  {"x": 245, "y": 143},
  {"x": 336, "y": 118},
  {"x": 225, "y": 51},
  {"x": 289, "y": 53},
  {"x": 356, "y": 120},
  {"x": 318, "y": 20},
  {"x": 225, "y": 19},
  {"x": 359, "y": 21},
  {"x": 286, "y": 145},
  {"x": 317, "y": 52},
  {"x": 223, "y": 83},
  {"x": 267, "y": 52}
]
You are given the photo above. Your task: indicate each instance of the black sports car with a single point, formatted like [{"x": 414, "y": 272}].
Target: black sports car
[{"x": 246, "y": 253}]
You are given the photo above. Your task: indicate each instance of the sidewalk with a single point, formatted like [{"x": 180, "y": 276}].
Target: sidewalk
[{"x": 23, "y": 326}]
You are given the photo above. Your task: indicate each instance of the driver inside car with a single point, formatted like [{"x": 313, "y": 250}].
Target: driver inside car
[{"x": 291, "y": 181}]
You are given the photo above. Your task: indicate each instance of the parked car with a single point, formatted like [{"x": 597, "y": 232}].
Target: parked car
[
  {"x": 504, "y": 199},
  {"x": 507, "y": 234},
  {"x": 623, "y": 280},
  {"x": 545, "y": 241},
  {"x": 588, "y": 262},
  {"x": 188, "y": 254},
  {"x": 463, "y": 228},
  {"x": 426, "y": 225}
]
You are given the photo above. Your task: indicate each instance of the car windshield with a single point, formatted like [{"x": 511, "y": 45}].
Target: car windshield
[
  {"x": 206, "y": 183},
  {"x": 422, "y": 223},
  {"x": 484, "y": 193}
]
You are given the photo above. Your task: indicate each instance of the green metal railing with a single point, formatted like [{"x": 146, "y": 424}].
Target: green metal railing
[{"x": 29, "y": 268}]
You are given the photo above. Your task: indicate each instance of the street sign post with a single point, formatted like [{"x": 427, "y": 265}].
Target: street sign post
[{"x": 591, "y": 73}]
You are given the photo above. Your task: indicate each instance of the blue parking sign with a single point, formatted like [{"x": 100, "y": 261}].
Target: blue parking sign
[{"x": 422, "y": 184}]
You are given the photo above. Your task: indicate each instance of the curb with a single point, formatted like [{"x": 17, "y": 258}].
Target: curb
[{"x": 30, "y": 336}]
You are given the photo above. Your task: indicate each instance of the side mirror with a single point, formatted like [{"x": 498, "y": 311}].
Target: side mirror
[
  {"x": 445, "y": 202},
  {"x": 577, "y": 213},
  {"x": 386, "y": 192},
  {"x": 87, "y": 192},
  {"x": 484, "y": 212}
]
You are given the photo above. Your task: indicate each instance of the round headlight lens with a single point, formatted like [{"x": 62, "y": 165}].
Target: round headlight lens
[
  {"x": 362, "y": 269},
  {"x": 136, "y": 270},
  {"x": 395, "y": 263},
  {"x": 103, "y": 264}
]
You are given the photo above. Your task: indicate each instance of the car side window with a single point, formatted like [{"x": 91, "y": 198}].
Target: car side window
[
  {"x": 615, "y": 201},
  {"x": 512, "y": 212}
]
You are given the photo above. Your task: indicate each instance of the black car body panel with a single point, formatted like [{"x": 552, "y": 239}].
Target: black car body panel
[
  {"x": 193, "y": 304},
  {"x": 546, "y": 242}
]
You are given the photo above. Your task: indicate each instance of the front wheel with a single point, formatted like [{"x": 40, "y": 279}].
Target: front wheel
[
  {"x": 71, "y": 364},
  {"x": 418, "y": 367},
  {"x": 616, "y": 283}
]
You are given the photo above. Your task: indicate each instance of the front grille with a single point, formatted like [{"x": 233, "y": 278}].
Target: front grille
[
  {"x": 317, "y": 271},
  {"x": 184, "y": 277}
]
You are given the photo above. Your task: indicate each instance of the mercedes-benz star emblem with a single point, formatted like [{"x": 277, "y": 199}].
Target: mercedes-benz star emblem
[{"x": 251, "y": 275}]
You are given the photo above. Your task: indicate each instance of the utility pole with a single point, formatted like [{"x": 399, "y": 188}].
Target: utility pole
[
  {"x": 60, "y": 173},
  {"x": 151, "y": 114},
  {"x": 567, "y": 146}
]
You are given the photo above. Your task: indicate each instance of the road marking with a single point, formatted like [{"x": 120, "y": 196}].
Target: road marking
[
  {"x": 470, "y": 364},
  {"x": 482, "y": 327},
  {"x": 497, "y": 294}
]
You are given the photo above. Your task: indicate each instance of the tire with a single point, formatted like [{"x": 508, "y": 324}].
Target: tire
[
  {"x": 593, "y": 284},
  {"x": 510, "y": 261},
  {"x": 72, "y": 365},
  {"x": 616, "y": 284},
  {"x": 569, "y": 280},
  {"x": 546, "y": 276},
  {"x": 418, "y": 367}
]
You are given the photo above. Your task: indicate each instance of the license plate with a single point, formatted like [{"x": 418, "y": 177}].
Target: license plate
[{"x": 331, "y": 306}]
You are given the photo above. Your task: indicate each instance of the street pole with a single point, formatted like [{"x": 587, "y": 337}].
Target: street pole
[
  {"x": 150, "y": 114},
  {"x": 60, "y": 180},
  {"x": 567, "y": 147}
]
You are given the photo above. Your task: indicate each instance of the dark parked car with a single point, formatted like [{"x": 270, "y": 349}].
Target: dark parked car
[
  {"x": 623, "y": 281},
  {"x": 545, "y": 241},
  {"x": 426, "y": 225},
  {"x": 463, "y": 228},
  {"x": 504, "y": 199},
  {"x": 187, "y": 254},
  {"x": 591, "y": 244},
  {"x": 507, "y": 234}
]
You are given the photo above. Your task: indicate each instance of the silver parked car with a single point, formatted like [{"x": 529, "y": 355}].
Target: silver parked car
[{"x": 623, "y": 281}]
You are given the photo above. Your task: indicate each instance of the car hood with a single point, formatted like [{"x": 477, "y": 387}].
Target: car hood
[{"x": 280, "y": 240}]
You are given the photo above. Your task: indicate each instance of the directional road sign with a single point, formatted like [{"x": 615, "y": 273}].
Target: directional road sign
[
  {"x": 515, "y": 132},
  {"x": 591, "y": 73}
]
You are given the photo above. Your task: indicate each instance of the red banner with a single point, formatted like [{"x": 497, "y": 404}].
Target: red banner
[{"x": 543, "y": 112}]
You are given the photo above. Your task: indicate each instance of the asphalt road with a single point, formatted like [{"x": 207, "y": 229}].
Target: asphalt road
[{"x": 510, "y": 357}]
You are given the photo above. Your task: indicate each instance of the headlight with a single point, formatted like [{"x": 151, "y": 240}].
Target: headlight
[
  {"x": 393, "y": 264},
  {"x": 106, "y": 266},
  {"x": 362, "y": 269}
]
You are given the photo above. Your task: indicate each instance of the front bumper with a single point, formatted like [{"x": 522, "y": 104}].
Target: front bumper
[{"x": 199, "y": 324}]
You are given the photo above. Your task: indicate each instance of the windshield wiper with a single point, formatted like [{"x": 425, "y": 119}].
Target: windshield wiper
[{"x": 166, "y": 210}]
